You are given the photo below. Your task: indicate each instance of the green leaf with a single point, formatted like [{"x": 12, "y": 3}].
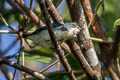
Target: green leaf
[
  {"x": 116, "y": 23},
  {"x": 41, "y": 52},
  {"x": 34, "y": 58}
]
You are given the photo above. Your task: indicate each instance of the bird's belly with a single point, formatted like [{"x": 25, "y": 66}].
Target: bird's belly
[{"x": 43, "y": 39}]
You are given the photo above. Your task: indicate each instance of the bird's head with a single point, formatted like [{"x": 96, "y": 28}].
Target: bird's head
[{"x": 72, "y": 29}]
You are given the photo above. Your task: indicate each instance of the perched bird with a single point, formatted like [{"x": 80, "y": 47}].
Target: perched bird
[{"x": 62, "y": 32}]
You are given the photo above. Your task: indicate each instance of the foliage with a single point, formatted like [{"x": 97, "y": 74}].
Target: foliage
[{"x": 34, "y": 58}]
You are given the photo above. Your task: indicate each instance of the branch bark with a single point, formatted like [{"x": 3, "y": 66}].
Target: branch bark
[
  {"x": 114, "y": 54},
  {"x": 95, "y": 24},
  {"x": 80, "y": 58},
  {"x": 107, "y": 54},
  {"x": 53, "y": 12},
  {"x": 77, "y": 15},
  {"x": 22, "y": 68},
  {"x": 4, "y": 69},
  {"x": 57, "y": 47},
  {"x": 30, "y": 13}
]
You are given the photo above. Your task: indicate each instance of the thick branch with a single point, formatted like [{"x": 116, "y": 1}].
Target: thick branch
[
  {"x": 81, "y": 59},
  {"x": 53, "y": 12},
  {"x": 96, "y": 27},
  {"x": 22, "y": 68},
  {"x": 77, "y": 15},
  {"x": 114, "y": 54},
  {"x": 30, "y": 13},
  {"x": 57, "y": 47},
  {"x": 115, "y": 47}
]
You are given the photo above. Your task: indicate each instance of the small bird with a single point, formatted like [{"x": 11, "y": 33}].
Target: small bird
[{"x": 62, "y": 32}]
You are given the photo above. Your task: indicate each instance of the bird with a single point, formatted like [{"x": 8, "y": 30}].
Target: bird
[{"x": 41, "y": 37}]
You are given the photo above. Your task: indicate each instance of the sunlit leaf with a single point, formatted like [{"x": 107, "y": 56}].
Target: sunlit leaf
[
  {"x": 34, "y": 58},
  {"x": 116, "y": 23},
  {"x": 41, "y": 52}
]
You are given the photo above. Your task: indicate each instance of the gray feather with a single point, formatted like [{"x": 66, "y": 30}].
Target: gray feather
[{"x": 62, "y": 33}]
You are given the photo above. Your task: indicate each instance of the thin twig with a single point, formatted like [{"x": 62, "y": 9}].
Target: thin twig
[
  {"x": 103, "y": 13},
  {"x": 100, "y": 40},
  {"x": 5, "y": 22},
  {"x": 14, "y": 74},
  {"x": 20, "y": 35},
  {"x": 81, "y": 77},
  {"x": 52, "y": 64},
  {"x": 31, "y": 2},
  {"x": 46, "y": 68},
  {"x": 13, "y": 32},
  {"x": 94, "y": 15},
  {"x": 22, "y": 45},
  {"x": 8, "y": 32},
  {"x": 57, "y": 4},
  {"x": 18, "y": 57}
]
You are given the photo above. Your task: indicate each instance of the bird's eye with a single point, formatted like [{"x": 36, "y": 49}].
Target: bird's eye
[{"x": 64, "y": 29}]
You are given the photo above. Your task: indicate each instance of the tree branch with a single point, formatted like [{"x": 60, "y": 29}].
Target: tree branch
[
  {"x": 8, "y": 32},
  {"x": 22, "y": 68},
  {"x": 96, "y": 27},
  {"x": 5, "y": 22},
  {"x": 30, "y": 13},
  {"x": 87, "y": 47},
  {"x": 115, "y": 47},
  {"x": 105, "y": 47},
  {"x": 81, "y": 59},
  {"x": 114, "y": 54},
  {"x": 57, "y": 47},
  {"x": 53, "y": 12}
]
